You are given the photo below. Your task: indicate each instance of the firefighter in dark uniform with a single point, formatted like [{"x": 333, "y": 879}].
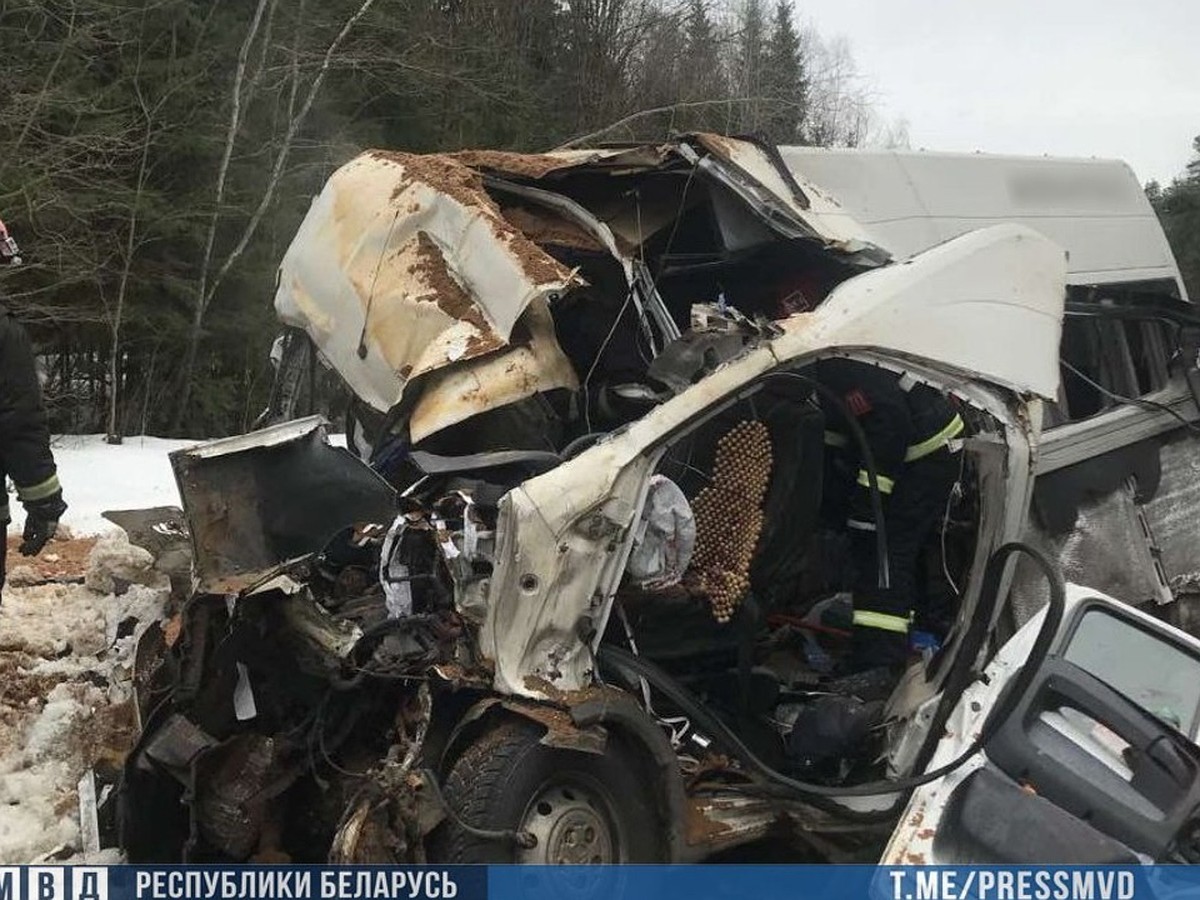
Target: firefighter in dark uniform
[
  {"x": 25, "y": 455},
  {"x": 913, "y": 432}
]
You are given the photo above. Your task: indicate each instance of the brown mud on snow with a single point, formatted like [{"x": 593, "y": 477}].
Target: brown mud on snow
[
  {"x": 62, "y": 558},
  {"x": 66, "y": 658},
  {"x": 18, "y": 686}
]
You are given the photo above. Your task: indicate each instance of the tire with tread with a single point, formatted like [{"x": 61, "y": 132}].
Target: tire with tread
[{"x": 492, "y": 784}]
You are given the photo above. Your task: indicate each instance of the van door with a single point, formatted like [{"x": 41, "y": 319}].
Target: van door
[{"x": 1098, "y": 763}]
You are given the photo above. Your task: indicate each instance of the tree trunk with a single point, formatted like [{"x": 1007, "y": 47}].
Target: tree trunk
[
  {"x": 114, "y": 358},
  {"x": 235, "y": 118}
]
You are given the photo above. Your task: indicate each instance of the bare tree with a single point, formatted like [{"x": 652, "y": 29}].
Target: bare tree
[
  {"x": 207, "y": 288},
  {"x": 840, "y": 98},
  {"x": 231, "y": 135}
]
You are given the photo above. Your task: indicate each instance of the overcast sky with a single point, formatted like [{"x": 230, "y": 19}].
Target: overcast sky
[{"x": 1107, "y": 78}]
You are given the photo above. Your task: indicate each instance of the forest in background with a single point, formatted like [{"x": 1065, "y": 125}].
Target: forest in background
[
  {"x": 156, "y": 156},
  {"x": 1178, "y": 208}
]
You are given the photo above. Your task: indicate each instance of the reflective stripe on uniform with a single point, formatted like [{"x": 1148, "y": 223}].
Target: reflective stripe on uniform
[
  {"x": 860, "y": 525},
  {"x": 868, "y": 618},
  {"x": 39, "y": 491},
  {"x": 834, "y": 439},
  {"x": 937, "y": 442},
  {"x": 886, "y": 485}
]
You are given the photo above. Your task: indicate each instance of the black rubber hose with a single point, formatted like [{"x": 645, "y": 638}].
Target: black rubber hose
[
  {"x": 522, "y": 839},
  {"x": 580, "y": 443},
  {"x": 368, "y": 638},
  {"x": 690, "y": 705}
]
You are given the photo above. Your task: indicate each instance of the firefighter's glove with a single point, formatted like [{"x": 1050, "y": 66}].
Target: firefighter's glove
[{"x": 41, "y": 521}]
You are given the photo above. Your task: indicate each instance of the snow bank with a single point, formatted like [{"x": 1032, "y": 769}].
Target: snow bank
[
  {"x": 65, "y": 701},
  {"x": 97, "y": 476},
  {"x": 65, "y": 675}
]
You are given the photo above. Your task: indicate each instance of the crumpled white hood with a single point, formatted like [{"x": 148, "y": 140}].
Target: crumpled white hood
[{"x": 403, "y": 266}]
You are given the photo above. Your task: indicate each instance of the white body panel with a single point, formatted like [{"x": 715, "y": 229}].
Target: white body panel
[{"x": 909, "y": 201}]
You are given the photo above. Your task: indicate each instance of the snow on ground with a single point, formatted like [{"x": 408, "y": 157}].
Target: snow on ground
[
  {"x": 65, "y": 690},
  {"x": 65, "y": 675},
  {"x": 97, "y": 476},
  {"x": 65, "y": 695}
]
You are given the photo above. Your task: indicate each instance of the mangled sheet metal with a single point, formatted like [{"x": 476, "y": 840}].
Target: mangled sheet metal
[
  {"x": 415, "y": 284},
  {"x": 404, "y": 266},
  {"x": 259, "y": 500},
  {"x": 753, "y": 171},
  {"x": 960, "y": 301},
  {"x": 988, "y": 304},
  {"x": 759, "y": 176},
  {"x": 533, "y": 364}
]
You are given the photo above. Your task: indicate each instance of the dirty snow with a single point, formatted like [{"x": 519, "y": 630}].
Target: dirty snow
[
  {"x": 97, "y": 476},
  {"x": 65, "y": 699},
  {"x": 65, "y": 691},
  {"x": 64, "y": 674}
]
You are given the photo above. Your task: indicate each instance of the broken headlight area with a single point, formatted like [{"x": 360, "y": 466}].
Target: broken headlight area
[
  {"x": 288, "y": 719},
  {"x": 279, "y": 710}
]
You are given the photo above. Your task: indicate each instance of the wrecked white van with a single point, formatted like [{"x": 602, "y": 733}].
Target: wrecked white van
[{"x": 581, "y": 606}]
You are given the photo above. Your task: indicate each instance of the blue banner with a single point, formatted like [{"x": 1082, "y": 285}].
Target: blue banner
[{"x": 694, "y": 882}]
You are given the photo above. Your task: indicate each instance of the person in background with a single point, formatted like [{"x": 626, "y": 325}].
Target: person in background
[
  {"x": 914, "y": 434},
  {"x": 25, "y": 454}
]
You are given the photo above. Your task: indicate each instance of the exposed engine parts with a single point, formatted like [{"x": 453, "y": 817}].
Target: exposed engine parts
[{"x": 729, "y": 516}]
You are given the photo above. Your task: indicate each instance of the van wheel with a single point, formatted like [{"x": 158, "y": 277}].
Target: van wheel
[{"x": 580, "y": 807}]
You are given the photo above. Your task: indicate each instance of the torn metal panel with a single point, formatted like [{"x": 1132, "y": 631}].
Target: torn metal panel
[
  {"x": 562, "y": 535},
  {"x": 1171, "y": 514},
  {"x": 718, "y": 823},
  {"x": 1107, "y": 550},
  {"x": 561, "y": 544},
  {"x": 988, "y": 304},
  {"x": 914, "y": 837},
  {"x": 454, "y": 394},
  {"x": 258, "y": 500},
  {"x": 1060, "y": 493},
  {"x": 767, "y": 183},
  {"x": 613, "y": 160},
  {"x": 405, "y": 265},
  {"x": 560, "y": 220}
]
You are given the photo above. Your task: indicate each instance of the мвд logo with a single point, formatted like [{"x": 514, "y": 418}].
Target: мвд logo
[{"x": 53, "y": 883}]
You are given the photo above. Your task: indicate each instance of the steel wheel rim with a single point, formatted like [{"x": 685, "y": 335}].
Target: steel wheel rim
[{"x": 573, "y": 823}]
